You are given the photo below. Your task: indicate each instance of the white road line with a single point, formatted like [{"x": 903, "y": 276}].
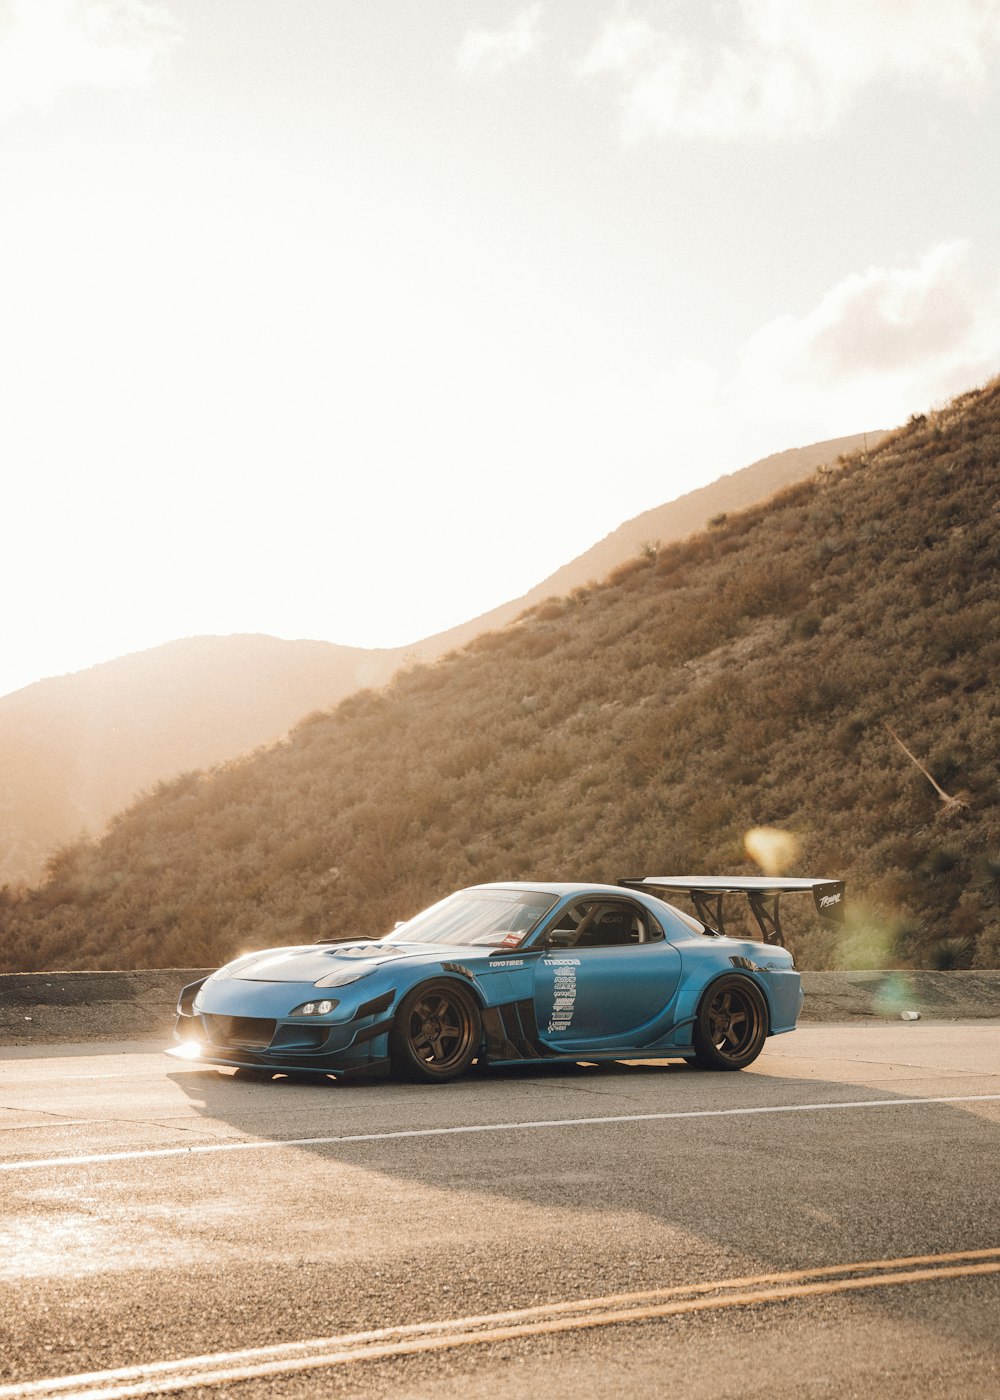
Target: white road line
[
  {"x": 264, "y": 1144},
  {"x": 284, "y": 1358}
]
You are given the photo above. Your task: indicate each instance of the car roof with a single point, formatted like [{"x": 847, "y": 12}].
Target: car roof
[{"x": 556, "y": 887}]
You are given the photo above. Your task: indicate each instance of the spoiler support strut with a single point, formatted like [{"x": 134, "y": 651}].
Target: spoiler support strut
[
  {"x": 763, "y": 895},
  {"x": 768, "y": 920}
]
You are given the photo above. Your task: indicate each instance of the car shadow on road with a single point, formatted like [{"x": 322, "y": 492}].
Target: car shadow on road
[
  {"x": 681, "y": 1149},
  {"x": 634, "y": 1176}
]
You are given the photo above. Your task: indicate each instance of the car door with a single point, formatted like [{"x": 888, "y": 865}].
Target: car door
[{"x": 605, "y": 972}]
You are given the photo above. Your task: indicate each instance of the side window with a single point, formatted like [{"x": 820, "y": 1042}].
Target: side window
[
  {"x": 594, "y": 923},
  {"x": 654, "y": 930}
]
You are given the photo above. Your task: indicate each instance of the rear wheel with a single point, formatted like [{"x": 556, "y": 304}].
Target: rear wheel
[
  {"x": 436, "y": 1033},
  {"x": 731, "y": 1027}
]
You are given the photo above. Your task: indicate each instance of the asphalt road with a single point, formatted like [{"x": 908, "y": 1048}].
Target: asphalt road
[{"x": 824, "y": 1224}]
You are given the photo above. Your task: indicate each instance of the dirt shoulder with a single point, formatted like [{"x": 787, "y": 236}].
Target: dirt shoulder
[
  {"x": 939, "y": 996},
  {"x": 45, "y": 1008}
]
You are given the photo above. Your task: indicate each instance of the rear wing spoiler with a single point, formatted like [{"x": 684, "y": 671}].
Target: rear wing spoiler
[{"x": 763, "y": 893}]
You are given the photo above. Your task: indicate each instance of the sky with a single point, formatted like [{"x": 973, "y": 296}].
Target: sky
[{"x": 352, "y": 319}]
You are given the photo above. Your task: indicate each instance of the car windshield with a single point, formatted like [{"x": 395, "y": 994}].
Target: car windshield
[{"x": 490, "y": 918}]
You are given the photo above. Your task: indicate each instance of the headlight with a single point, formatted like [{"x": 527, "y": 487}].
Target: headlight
[
  {"x": 342, "y": 976},
  {"x": 314, "y": 1008}
]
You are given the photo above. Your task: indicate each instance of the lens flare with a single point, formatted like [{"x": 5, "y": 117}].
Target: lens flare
[{"x": 774, "y": 850}]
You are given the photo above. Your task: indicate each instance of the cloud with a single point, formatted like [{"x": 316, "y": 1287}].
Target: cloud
[
  {"x": 785, "y": 67},
  {"x": 877, "y": 347},
  {"x": 880, "y": 322},
  {"x": 492, "y": 52},
  {"x": 886, "y": 342},
  {"x": 49, "y": 46}
]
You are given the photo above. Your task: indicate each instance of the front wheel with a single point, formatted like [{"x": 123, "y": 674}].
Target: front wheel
[
  {"x": 436, "y": 1033},
  {"x": 731, "y": 1027}
]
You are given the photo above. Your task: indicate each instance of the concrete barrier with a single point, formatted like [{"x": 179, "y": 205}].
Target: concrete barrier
[
  {"x": 51, "y": 1007},
  {"x": 48, "y": 1007}
]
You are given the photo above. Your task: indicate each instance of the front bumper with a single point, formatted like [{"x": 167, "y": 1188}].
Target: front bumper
[{"x": 284, "y": 1045}]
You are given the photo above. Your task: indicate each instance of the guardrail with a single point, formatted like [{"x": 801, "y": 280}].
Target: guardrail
[{"x": 38, "y": 1008}]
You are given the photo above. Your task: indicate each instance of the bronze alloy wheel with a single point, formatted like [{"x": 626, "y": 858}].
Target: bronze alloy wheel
[
  {"x": 436, "y": 1032},
  {"x": 732, "y": 1024}
]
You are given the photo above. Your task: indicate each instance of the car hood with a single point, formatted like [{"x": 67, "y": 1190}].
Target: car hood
[{"x": 311, "y": 963}]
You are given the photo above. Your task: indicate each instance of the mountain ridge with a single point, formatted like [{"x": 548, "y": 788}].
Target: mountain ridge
[
  {"x": 751, "y": 675},
  {"x": 75, "y": 749},
  {"x": 663, "y": 524}
]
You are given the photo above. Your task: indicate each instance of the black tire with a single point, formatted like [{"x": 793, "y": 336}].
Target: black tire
[
  {"x": 436, "y": 1033},
  {"x": 732, "y": 1024}
]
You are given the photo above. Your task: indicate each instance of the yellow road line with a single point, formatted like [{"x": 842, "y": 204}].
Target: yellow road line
[{"x": 542, "y": 1320}]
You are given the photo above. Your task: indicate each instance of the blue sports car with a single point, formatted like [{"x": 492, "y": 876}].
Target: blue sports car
[{"x": 513, "y": 974}]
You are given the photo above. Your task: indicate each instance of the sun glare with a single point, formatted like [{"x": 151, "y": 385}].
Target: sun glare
[{"x": 774, "y": 850}]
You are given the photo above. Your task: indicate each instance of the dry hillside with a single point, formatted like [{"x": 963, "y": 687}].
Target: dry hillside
[
  {"x": 76, "y": 749},
  {"x": 662, "y": 525},
  {"x": 742, "y": 677}
]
